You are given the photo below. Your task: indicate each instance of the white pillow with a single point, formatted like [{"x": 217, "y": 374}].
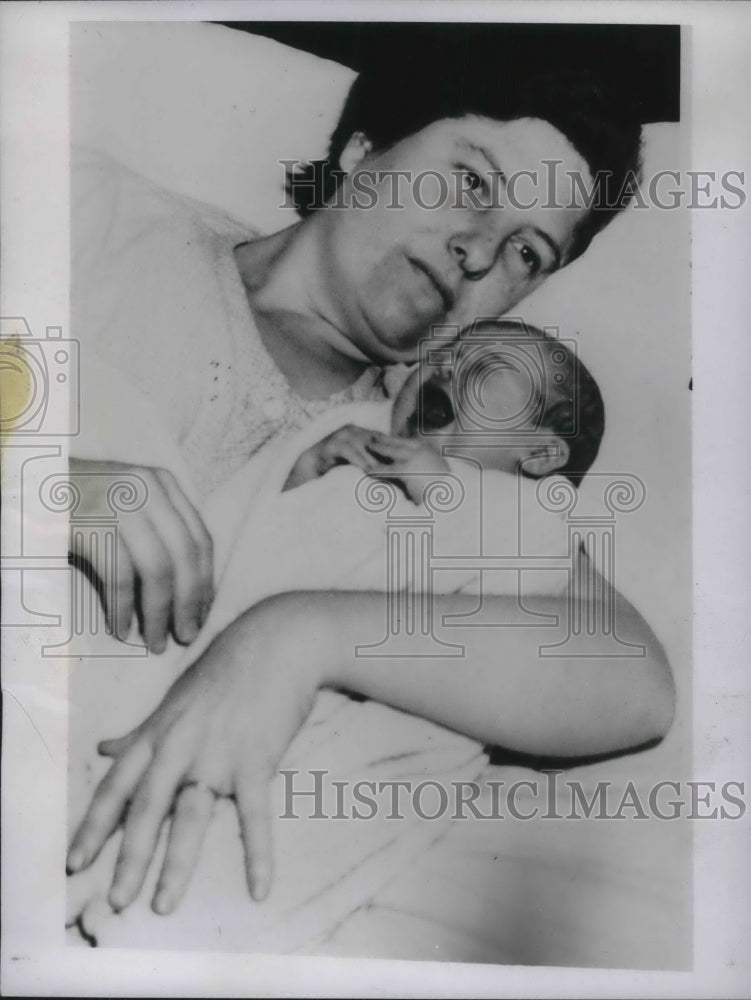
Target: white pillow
[{"x": 205, "y": 110}]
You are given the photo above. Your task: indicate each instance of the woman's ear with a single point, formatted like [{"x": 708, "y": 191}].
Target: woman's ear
[
  {"x": 544, "y": 459},
  {"x": 357, "y": 148}
]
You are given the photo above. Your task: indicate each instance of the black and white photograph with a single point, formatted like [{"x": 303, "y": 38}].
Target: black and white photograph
[{"x": 355, "y": 494}]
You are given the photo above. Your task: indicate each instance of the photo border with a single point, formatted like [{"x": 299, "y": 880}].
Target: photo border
[{"x": 35, "y": 164}]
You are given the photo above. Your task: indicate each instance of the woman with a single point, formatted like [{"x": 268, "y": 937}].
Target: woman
[{"x": 351, "y": 285}]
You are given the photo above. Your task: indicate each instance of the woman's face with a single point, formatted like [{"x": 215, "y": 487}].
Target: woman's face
[{"x": 396, "y": 267}]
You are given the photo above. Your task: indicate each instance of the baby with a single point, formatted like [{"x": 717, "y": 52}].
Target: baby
[{"x": 505, "y": 397}]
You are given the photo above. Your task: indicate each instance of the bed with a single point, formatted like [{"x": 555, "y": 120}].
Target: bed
[{"x": 208, "y": 112}]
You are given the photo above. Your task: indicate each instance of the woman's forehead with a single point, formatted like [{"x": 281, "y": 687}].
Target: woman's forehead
[{"x": 519, "y": 142}]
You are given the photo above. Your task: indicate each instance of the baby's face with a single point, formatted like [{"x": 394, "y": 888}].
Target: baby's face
[{"x": 484, "y": 404}]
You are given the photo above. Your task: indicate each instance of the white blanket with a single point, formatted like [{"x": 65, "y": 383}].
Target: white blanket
[{"x": 315, "y": 537}]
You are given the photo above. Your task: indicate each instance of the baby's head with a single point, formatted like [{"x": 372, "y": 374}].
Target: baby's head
[{"x": 508, "y": 396}]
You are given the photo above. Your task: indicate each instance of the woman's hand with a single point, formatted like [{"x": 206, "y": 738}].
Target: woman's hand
[
  {"x": 220, "y": 731},
  {"x": 163, "y": 565},
  {"x": 225, "y": 724}
]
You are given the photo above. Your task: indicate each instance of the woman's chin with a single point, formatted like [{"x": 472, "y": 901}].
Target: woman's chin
[{"x": 399, "y": 332}]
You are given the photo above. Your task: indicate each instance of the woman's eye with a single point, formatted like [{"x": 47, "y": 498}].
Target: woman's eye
[
  {"x": 529, "y": 256},
  {"x": 471, "y": 179}
]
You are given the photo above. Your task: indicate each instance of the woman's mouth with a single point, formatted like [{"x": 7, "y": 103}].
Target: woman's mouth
[{"x": 436, "y": 281}]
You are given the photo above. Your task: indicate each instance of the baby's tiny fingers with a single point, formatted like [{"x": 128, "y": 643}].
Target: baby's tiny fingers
[
  {"x": 387, "y": 472},
  {"x": 383, "y": 438},
  {"x": 394, "y": 447},
  {"x": 355, "y": 454}
]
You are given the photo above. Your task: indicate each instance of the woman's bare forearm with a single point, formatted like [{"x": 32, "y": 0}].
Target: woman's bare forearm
[{"x": 501, "y": 690}]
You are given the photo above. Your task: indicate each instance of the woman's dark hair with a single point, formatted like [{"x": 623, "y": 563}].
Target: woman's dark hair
[{"x": 387, "y": 107}]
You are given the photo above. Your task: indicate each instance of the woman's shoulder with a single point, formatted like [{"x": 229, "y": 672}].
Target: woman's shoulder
[{"x": 104, "y": 188}]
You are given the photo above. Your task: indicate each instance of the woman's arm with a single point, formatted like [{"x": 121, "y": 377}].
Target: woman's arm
[
  {"x": 229, "y": 718},
  {"x": 501, "y": 690}
]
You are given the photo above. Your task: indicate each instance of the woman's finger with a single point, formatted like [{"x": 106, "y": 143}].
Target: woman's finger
[
  {"x": 105, "y": 562},
  {"x": 183, "y": 562},
  {"x": 193, "y": 811},
  {"x": 252, "y": 797},
  {"x": 107, "y": 806},
  {"x": 118, "y": 745},
  {"x": 153, "y": 565},
  {"x": 123, "y": 605},
  {"x": 192, "y": 609},
  {"x": 149, "y": 806},
  {"x": 81, "y": 889}
]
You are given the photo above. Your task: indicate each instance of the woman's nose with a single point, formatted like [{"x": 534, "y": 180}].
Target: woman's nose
[{"x": 475, "y": 253}]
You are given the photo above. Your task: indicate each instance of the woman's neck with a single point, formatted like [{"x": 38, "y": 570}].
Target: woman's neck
[{"x": 314, "y": 353}]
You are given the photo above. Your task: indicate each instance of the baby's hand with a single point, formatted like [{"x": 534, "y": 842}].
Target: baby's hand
[
  {"x": 350, "y": 445},
  {"x": 410, "y": 461}
]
